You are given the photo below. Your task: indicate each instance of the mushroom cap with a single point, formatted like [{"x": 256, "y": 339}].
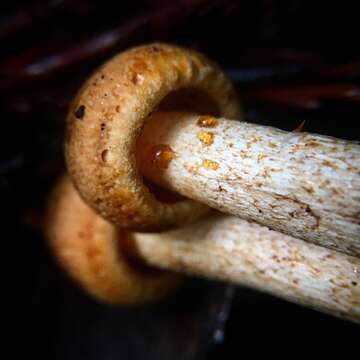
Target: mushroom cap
[
  {"x": 93, "y": 252},
  {"x": 107, "y": 117}
]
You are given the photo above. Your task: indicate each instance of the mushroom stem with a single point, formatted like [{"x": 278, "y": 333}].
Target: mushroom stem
[
  {"x": 301, "y": 184},
  {"x": 227, "y": 248},
  {"x": 103, "y": 258}
]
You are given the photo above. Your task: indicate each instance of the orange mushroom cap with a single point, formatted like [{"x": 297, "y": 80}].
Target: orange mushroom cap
[
  {"x": 94, "y": 253},
  {"x": 106, "y": 119}
]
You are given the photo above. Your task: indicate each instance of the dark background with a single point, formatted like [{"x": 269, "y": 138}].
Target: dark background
[{"x": 290, "y": 61}]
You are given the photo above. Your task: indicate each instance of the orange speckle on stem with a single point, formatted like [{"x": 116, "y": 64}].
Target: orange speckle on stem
[
  {"x": 210, "y": 165},
  {"x": 261, "y": 156},
  {"x": 244, "y": 154},
  {"x": 207, "y": 138},
  {"x": 272, "y": 145},
  {"x": 329, "y": 164},
  {"x": 193, "y": 169},
  {"x": 312, "y": 143},
  {"x": 266, "y": 174},
  {"x": 309, "y": 189}
]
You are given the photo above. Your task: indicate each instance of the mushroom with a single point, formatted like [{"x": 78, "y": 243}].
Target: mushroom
[
  {"x": 163, "y": 111},
  {"x": 94, "y": 252},
  {"x": 112, "y": 264},
  {"x": 304, "y": 185},
  {"x": 158, "y": 115}
]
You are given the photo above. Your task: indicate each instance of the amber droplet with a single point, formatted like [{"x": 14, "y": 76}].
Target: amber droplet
[
  {"x": 206, "y": 137},
  {"x": 161, "y": 155},
  {"x": 207, "y": 121},
  {"x": 210, "y": 165}
]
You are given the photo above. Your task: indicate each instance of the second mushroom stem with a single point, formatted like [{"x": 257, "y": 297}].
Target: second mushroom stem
[
  {"x": 227, "y": 248},
  {"x": 301, "y": 184}
]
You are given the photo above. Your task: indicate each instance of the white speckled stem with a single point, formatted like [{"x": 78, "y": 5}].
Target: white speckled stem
[
  {"x": 304, "y": 185},
  {"x": 228, "y": 248}
]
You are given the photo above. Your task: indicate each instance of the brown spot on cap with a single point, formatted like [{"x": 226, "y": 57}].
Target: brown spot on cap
[
  {"x": 154, "y": 48},
  {"x": 104, "y": 155},
  {"x": 137, "y": 79},
  {"x": 80, "y": 112}
]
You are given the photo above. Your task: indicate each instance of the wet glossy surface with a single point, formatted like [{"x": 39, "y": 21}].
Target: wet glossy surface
[{"x": 268, "y": 45}]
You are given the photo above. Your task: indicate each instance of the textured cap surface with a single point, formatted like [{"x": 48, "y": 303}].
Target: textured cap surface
[
  {"x": 107, "y": 116},
  {"x": 92, "y": 252}
]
